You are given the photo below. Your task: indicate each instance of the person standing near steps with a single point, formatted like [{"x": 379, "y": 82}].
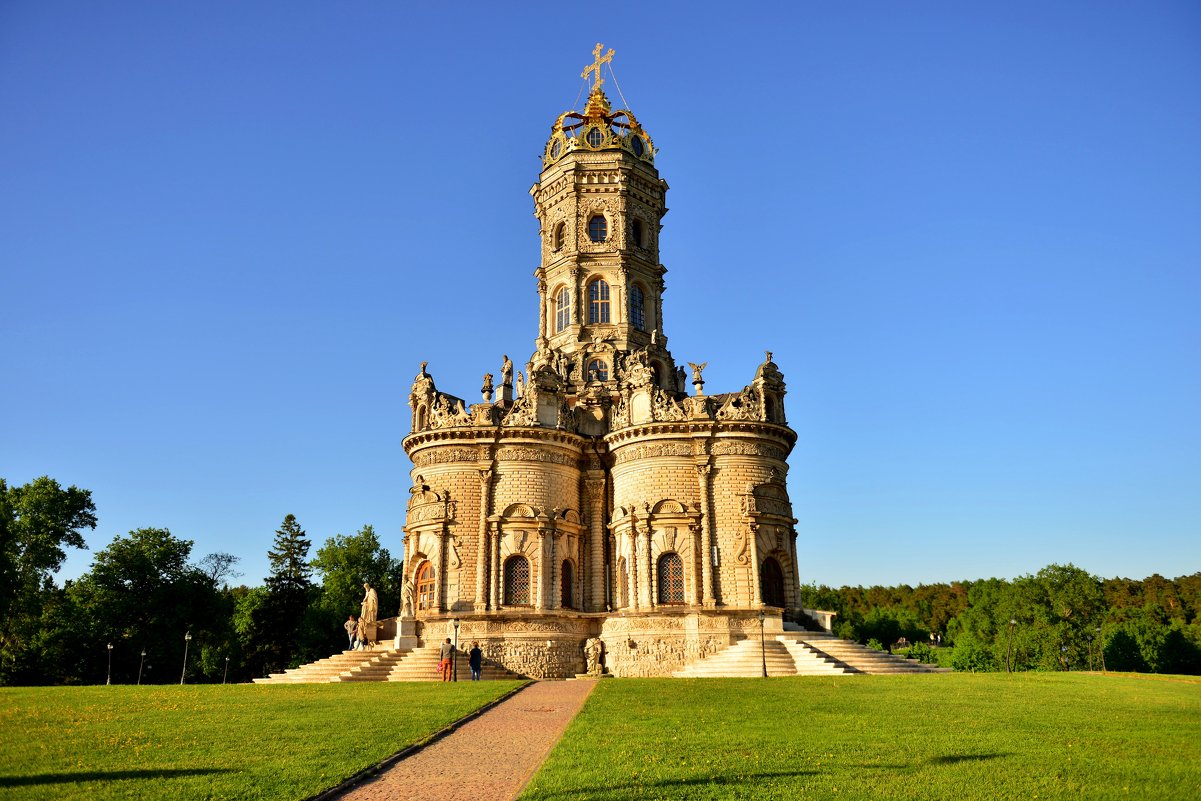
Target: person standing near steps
[
  {"x": 351, "y": 628},
  {"x": 475, "y": 658},
  {"x": 444, "y": 655}
]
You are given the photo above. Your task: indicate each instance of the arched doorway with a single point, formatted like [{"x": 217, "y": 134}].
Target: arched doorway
[
  {"x": 671, "y": 579},
  {"x": 517, "y": 581},
  {"x": 771, "y": 582},
  {"x": 425, "y": 586},
  {"x": 567, "y": 585}
]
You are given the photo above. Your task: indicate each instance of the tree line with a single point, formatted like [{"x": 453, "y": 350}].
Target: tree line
[
  {"x": 146, "y": 591},
  {"x": 150, "y": 598},
  {"x": 1060, "y": 618}
]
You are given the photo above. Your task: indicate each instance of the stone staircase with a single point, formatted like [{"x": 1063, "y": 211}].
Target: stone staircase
[
  {"x": 859, "y": 658},
  {"x": 345, "y": 666},
  {"x": 801, "y": 653},
  {"x": 382, "y": 664},
  {"x": 421, "y": 664}
]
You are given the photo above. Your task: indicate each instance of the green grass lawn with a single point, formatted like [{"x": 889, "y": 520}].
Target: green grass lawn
[
  {"x": 214, "y": 742},
  {"x": 948, "y": 736}
]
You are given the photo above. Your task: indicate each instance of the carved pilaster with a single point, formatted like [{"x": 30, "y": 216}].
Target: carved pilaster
[
  {"x": 642, "y": 549},
  {"x": 594, "y": 487},
  {"x": 704, "y": 473},
  {"x": 757, "y": 590},
  {"x": 481, "y": 560},
  {"x": 577, "y": 312},
  {"x": 495, "y": 572},
  {"x": 542, "y": 306},
  {"x": 443, "y": 534},
  {"x": 543, "y": 569}
]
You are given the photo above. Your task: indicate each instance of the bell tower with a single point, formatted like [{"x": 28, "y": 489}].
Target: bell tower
[{"x": 599, "y": 201}]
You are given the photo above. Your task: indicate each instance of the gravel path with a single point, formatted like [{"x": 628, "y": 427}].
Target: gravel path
[{"x": 490, "y": 758}]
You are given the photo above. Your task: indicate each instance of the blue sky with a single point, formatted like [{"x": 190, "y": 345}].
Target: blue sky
[{"x": 971, "y": 234}]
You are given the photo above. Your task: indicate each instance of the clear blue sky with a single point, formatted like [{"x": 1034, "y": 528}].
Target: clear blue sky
[{"x": 971, "y": 234}]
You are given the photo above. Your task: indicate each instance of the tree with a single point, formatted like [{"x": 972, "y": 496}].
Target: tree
[
  {"x": 219, "y": 567},
  {"x": 290, "y": 570},
  {"x": 289, "y": 595},
  {"x": 37, "y": 520}
]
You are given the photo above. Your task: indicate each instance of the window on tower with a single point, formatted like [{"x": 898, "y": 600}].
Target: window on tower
[
  {"x": 598, "y": 302},
  {"x": 598, "y": 228},
  {"x": 598, "y": 370},
  {"x": 637, "y": 308},
  {"x": 560, "y": 235},
  {"x": 636, "y": 233},
  {"x": 562, "y": 309},
  {"x": 595, "y": 137}
]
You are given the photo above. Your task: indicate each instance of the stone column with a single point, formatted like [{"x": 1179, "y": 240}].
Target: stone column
[
  {"x": 481, "y": 557},
  {"x": 578, "y": 311},
  {"x": 794, "y": 586},
  {"x": 706, "y": 564},
  {"x": 704, "y": 472},
  {"x": 594, "y": 486},
  {"x": 442, "y": 546},
  {"x": 543, "y": 568},
  {"x": 662, "y": 287},
  {"x": 632, "y": 568},
  {"x": 542, "y": 305},
  {"x": 756, "y": 589},
  {"x": 495, "y": 577},
  {"x": 642, "y": 546}
]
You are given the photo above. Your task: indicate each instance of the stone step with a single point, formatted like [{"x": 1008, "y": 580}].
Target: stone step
[
  {"x": 360, "y": 665},
  {"x": 858, "y": 657},
  {"x": 421, "y": 664}
]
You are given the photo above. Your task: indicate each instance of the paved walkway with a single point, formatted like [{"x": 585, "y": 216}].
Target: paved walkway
[{"x": 490, "y": 758}]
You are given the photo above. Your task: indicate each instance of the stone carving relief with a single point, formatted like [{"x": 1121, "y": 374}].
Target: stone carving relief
[
  {"x": 448, "y": 411},
  {"x": 524, "y": 412},
  {"x": 514, "y": 453},
  {"x": 444, "y": 456},
  {"x": 741, "y": 406},
  {"x": 728, "y": 447},
  {"x": 665, "y": 408},
  {"x": 636, "y": 452}
]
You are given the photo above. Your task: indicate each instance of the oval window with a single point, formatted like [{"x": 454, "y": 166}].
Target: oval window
[
  {"x": 555, "y": 149},
  {"x": 637, "y": 145}
]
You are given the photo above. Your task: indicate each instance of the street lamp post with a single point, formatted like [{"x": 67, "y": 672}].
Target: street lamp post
[
  {"x": 187, "y": 639},
  {"x": 141, "y": 664},
  {"x": 226, "y": 674},
  {"x": 762, "y": 643},
  {"x": 1009, "y": 648},
  {"x": 454, "y": 655},
  {"x": 108, "y": 679}
]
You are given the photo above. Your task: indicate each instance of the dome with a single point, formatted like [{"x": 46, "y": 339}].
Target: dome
[{"x": 598, "y": 126}]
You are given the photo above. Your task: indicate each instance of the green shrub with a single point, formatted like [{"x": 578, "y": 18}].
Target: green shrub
[
  {"x": 876, "y": 644},
  {"x": 971, "y": 658},
  {"x": 922, "y": 653}
]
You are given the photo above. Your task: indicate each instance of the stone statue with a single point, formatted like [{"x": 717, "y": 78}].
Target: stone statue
[
  {"x": 370, "y": 607},
  {"x": 486, "y": 389},
  {"x": 520, "y": 384},
  {"x": 406, "y": 608},
  {"x": 593, "y": 648},
  {"x": 696, "y": 372},
  {"x": 506, "y": 373}
]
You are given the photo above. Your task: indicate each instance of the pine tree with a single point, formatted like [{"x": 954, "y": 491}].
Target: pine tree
[{"x": 290, "y": 570}]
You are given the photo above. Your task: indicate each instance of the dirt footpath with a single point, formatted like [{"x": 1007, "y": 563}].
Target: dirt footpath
[{"x": 490, "y": 758}]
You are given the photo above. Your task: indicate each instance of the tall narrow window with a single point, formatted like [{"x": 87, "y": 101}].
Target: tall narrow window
[
  {"x": 671, "y": 579},
  {"x": 598, "y": 228},
  {"x": 425, "y": 586},
  {"x": 562, "y": 309},
  {"x": 598, "y": 302},
  {"x": 771, "y": 582},
  {"x": 636, "y": 233},
  {"x": 517, "y": 581},
  {"x": 560, "y": 235},
  {"x": 623, "y": 584},
  {"x": 565, "y": 591},
  {"x": 637, "y": 308}
]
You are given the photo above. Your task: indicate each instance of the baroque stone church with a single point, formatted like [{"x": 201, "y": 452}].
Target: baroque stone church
[{"x": 592, "y": 495}]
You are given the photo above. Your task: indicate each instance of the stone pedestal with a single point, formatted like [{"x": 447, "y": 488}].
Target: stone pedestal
[{"x": 406, "y": 633}]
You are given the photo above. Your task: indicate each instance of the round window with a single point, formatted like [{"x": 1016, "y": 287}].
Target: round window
[{"x": 595, "y": 137}]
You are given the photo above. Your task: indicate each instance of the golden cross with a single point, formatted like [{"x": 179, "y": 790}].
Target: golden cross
[{"x": 595, "y": 66}]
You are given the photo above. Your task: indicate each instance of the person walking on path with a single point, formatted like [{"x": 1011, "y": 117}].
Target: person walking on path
[
  {"x": 351, "y": 627},
  {"x": 475, "y": 658},
  {"x": 444, "y": 654}
]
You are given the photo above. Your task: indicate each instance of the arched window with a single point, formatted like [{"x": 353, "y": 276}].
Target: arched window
[
  {"x": 771, "y": 582},
  {"x": 425, "y": 586},
  {"x": 560, "y": 235},
  {"x": 655, "y": 375},
  {"x": 595, "y": 136},
  {"x": 562, "y": 309},
  {"x": 517, "y": 581},
  {"x": 671, "y": 579},
  {"x": 599, "y": 368},
  {"x": 598, "y": 302},
  {"x": 598, "y": 228},
  {"x": 636, "y": 233},
  {"x": 566, "y": 586},
  {"x": 637, "y": 308}
]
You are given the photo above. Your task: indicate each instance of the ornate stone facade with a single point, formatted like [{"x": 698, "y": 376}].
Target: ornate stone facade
[{"x": 591, "y": 495}]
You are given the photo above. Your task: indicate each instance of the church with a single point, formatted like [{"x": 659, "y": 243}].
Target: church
[{"x": 599, "y": 492}]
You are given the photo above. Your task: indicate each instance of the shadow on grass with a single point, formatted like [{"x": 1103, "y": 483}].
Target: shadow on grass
[
  {"x": 945, "y": 759},
  {"x": 105, "y": 776},
  {"x": 739, "y": 780}
]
